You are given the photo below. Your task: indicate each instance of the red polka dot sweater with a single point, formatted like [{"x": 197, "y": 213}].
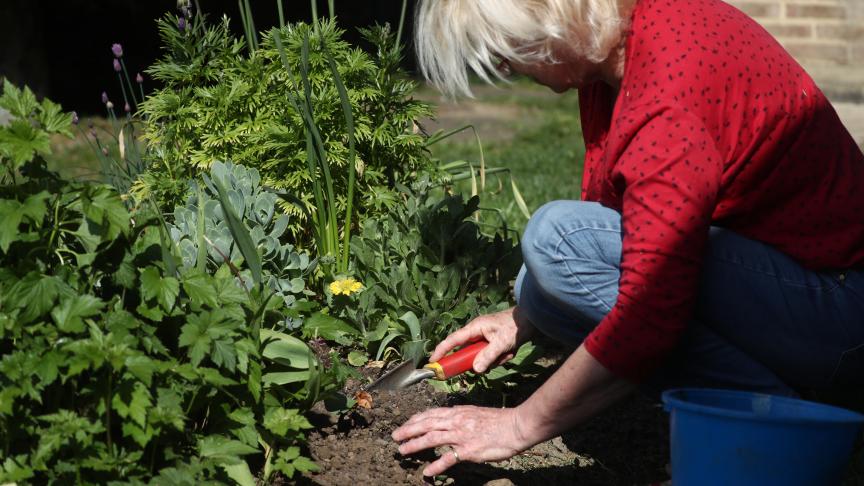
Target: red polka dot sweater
[{"x": 714, "y": 124}]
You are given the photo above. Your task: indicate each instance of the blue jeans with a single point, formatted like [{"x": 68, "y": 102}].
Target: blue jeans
[{"x": 762, "y": 321}]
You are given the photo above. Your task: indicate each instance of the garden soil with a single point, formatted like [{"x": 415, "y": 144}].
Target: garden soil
[{"x": 627, "y": 445}]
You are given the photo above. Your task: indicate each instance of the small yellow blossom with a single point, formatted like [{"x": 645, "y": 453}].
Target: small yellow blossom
[{"x": 346, "y": 286}]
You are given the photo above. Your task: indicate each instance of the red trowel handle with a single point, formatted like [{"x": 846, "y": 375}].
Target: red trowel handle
[{"x": 457, "y": 363}]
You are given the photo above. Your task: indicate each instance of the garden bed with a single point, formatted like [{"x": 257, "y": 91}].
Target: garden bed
[{"x": 626, "y": 445}]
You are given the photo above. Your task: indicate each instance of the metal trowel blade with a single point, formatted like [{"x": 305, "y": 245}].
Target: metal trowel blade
[{"x": 402, "y": 376}]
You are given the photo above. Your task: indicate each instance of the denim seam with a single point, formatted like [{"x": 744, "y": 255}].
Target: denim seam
[
  {"x": 840, "y": 361},
  {"x": 770, "y": 274},
  {"x": 559, "y": 259}
]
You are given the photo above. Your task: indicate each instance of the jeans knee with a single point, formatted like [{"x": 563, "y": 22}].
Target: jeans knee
[{"x": 576, "y": 221}]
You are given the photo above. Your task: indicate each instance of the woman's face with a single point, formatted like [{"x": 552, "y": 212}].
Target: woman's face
[{"x": 570, "y": 72}]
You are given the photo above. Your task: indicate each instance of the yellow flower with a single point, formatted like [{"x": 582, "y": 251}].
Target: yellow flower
[{"x": 346, "y": 286}]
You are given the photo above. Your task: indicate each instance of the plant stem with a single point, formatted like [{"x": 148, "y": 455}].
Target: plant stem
[
  {"x": 128, "y": 82},
  {"x": 108, "y": 415},
  {"x": 332, "y": 9},
  {"x": 401, "y": 24},
  {"x": 281, "y": 14}
]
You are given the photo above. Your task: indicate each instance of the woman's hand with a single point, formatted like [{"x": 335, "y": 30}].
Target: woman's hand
[
  {"x": 475, "y": 434},
  {"x": 504, "y": 330}
]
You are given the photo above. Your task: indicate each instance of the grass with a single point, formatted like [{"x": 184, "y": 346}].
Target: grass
[{"x": 539, "y": 140}]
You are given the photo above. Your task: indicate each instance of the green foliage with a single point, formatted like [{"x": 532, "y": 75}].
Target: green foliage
[
  {"x": 28, "y": 134},
  {"x": 114, "y": 369},
  {"x": 427, "y": 269},
  {"x": 219, "y": 103},
  {"x": 201, "y": 231}
]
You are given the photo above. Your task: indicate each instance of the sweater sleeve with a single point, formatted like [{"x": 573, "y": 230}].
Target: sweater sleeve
[{"x": 667, "y": 171}]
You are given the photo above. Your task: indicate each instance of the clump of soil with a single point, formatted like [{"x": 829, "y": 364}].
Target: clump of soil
[
  {"x": 626, "y": 445},
  {"x": 356, "y": 449}
]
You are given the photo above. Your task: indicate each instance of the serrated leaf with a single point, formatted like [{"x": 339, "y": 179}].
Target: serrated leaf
[
  {"x": 280, "y": 421},
  {"x": 222, "y": 448},
  {"x": 69, "y": 315},
  {"x": 141, "y": 367},
  {"x": 21, "y": 103},
  {"x": 164, "y": 289},
  {"x": 358, "y": 358},
  {"x": 240, "y": 473},
  {"x": 199, "y": 288}
]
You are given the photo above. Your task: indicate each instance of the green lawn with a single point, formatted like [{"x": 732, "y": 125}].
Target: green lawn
[{"x": 525, "y": 128}]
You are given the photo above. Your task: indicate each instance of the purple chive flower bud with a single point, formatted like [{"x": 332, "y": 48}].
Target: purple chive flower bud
[
  {"x": 139, "y": 79},
  {"x": 127, "y": 108},
  {"x": 75, "y": 119},
  {"x": 104, "y": 97},
  {"x": 181, "y": 24},
  {"x": 104, "y": 151},
  {"x": 117, "y": 49},
  {"x": 116, "y": 65},
  {"x": 109, "y": 105}
]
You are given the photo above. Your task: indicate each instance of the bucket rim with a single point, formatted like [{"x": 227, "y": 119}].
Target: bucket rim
[{"x": 841, "y": 415}]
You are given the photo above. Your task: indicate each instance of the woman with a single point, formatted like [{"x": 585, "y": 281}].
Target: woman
[{"x": 721, "y": 238}]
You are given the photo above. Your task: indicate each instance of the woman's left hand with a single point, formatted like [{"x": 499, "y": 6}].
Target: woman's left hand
[{"x": 475, "y": 434}]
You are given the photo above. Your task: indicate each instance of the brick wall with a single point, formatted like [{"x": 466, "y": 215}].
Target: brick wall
[{"x": 815, "y": 32}]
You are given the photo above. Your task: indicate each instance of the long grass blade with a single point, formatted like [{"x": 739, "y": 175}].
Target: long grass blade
[
  {"x": 281, "y": 14},
  {"x": 520, "y": 201},
  {"x": 333, "y": 230},
  {"x": 352, "y": 152},
  {"x": 253, "y": 34},
  {"x": 245, "y": 23},
  {"x": 240, "y": 233},
  {"x": 401, "y": 25},
  {"x": 320, "y": 225}
]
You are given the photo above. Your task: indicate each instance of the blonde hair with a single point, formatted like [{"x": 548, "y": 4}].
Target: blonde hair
[{"x": 453, "y": 35}]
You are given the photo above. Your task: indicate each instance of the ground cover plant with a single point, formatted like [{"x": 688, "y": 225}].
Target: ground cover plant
[{"x": 116, "y": 366}]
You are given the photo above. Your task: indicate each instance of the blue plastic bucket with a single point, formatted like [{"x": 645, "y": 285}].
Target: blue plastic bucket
[{"x": 740, "y": 438}]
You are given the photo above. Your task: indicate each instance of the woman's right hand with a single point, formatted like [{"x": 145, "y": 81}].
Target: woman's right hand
[{"x": 504, "y": 330}]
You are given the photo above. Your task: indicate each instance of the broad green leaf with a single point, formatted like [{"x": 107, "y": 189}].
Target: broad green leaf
[
  {"x": 224, "y": 354},
  {"x": 285, "y": 349},
  {"x": 410, "y": 319},
  {"x": 69, "y": 315},
  {"x": 329, "y": 327},
  {"x": 240, "y": 473},
  {"x": 10, "y": 220},
  {"x": 164, "y": 289},
  {"x": 35, "y": 295},
  {"x": 213, "y": 377},
  {"x": 199, "y": 288},
  {"x": 53, "y": 119},
  {"x": 20, "y": 103},
  {"x": 285, "y": 377},
  {"x": 142, "y": 367},
  {"x": 222, "y": 448},
  {"x": 280, "y": 421},
  {"x": 21, "y": 141},
  {"x": 194, "y": 335},
  {"x": 358, "y": 358},
  {"x": 137, "y": 405}
]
